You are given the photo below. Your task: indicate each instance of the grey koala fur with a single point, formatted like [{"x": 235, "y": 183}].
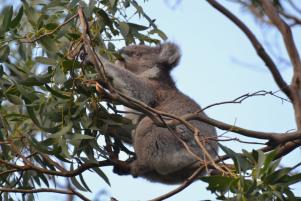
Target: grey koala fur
[{"x": 144, "y": 74}]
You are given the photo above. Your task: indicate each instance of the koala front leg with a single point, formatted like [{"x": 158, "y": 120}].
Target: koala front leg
[{"x": 130, "y": 84}]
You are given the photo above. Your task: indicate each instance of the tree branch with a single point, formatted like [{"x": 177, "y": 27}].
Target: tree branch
[
  {"x": 257, "y": 46},
  {"x": 182, "y": 186},
  {"x": 293, "y": 53},
  {"x": 45, "y": 190},
  {"x": 23, "y": 40},
  {"x": 72, "y": 173},
  {"x": 285, "y": 31}
]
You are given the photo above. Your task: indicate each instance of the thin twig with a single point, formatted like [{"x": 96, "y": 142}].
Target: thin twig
[
  {"x": 181, "y": 187},
  {"x": 45, "y": 190},
  {"x": 49, "y": 33},
  {"x": 241, "y": 98}
]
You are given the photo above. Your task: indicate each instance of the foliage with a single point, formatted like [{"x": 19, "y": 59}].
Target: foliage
[
  {"x": 46, "y": 109},
  {"x": 258, "y": 177}
]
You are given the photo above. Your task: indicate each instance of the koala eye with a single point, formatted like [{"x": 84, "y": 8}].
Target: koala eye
[{"x": 138, "y": 54}]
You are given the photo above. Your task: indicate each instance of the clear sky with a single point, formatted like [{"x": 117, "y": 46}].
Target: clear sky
[{"x": 218, "y": 64}]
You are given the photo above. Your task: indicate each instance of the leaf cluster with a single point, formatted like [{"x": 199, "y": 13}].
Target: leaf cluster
[
  {"x": 258, "y": 176},
  {"x": 46, "y": 108}
]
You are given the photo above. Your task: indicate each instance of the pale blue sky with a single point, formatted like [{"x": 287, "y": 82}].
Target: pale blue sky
[{"x": 208, "y": 73}]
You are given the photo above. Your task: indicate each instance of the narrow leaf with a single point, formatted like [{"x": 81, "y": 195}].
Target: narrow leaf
[
  {"x": 4, "y": 52},
  {"x": 16, "y": 21},
  {"x": 8, "y": 13}
]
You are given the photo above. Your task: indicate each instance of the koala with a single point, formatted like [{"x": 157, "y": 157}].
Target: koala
[{"x": 144, "y": 73}]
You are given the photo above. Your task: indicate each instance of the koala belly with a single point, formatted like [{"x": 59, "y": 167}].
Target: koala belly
[{"x": 161, "y": 156}]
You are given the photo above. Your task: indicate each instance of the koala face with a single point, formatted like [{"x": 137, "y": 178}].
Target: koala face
[{"x": 141, "y": 58}]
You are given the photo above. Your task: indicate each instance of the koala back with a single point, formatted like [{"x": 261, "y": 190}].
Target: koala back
[{"x": 161, "y": 156}]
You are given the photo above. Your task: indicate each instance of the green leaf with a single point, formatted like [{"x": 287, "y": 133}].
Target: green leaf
[
  {"x": 45, "y": 60},
  {"x": 31, "y": 14},
  {"x": 33, "y": 117},
  {"x": 62, "y": 131},
  {"x": 124, "y": 28},
  {"x": 292, "y": 179},
  {"x": 73, "y": 3},
  {"x": 113, "y": 3},
  {"x": 8, "y": 13},
  {"x": 27, "y": 93},
  {"x": 269, "y": 158},
  {"x": 37, "y": 80},
  {"x": 102, "y": 175},
  {"x": 4, "y": 52},
  {"x": 59, "y": 93},
  {"x": 29, "y": 96},
  {"x": 239, "y": 160},
  {"x": 277, "y": 175},
  {"x": 70, "y": 65},
  {"x": 16, "y": 21},
  {"x": 75, "y": 182},
  {"x": 82, "y": 137},
  {"x": 259, "y": 158},
  {"x": 14, "y": 99},
  {"x": 219, "y": 183},
  {"x": 159, "y": 32},
  {"x": 49, "y": 45},
  {"x": 126, "y": 3},
  {"x": 55, "y": 116},
  {"x": 83, "y": 182},
  {"x": 1, "y": 71},
  {"x": 44, "y": 179},
  {"x": 290, "y": 195},
  {"x": 40, "y": 147},
  {"x": 137, "y": 27},
  {"x": 59, "y": 76},
  {"x": 104, "y": 17},
  {"x": 111, "y": 46}
]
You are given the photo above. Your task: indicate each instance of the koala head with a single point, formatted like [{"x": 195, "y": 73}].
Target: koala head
[{"x": 140, "y": 59}]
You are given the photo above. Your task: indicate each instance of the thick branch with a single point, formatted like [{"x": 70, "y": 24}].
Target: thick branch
[
  {"x": 274, "y": 138},
  {"x": 293, "y": 53},
  {"x": 257, "y": 46}
]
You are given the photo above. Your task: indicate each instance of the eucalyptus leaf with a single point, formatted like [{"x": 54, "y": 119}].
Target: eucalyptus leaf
[
  {"x": 4, "y": 52},
  {"x": 46, "y": 60},
  {"x": 7, "y": 13},
  {"x": 16, "y": 21},
  {"x": 124, "y": 28}
]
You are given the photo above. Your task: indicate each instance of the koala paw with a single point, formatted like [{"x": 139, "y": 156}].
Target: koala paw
[
  {"x": 122, "y": 168},
  {"x": 138, "y": 169}
]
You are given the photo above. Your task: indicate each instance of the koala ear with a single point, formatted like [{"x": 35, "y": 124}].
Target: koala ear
[{"x": 169, "y": 55}]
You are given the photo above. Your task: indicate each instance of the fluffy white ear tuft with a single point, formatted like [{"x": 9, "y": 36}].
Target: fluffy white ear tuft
[{"x": 169, "y": 56}]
